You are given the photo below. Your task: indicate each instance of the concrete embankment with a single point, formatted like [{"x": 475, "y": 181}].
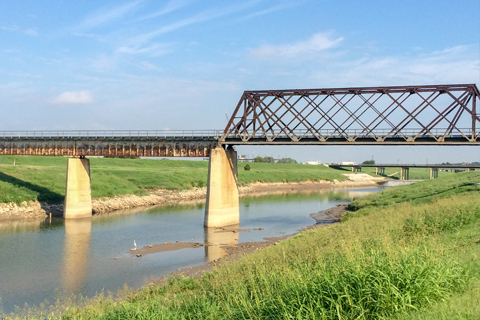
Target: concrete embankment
[{"x": 38, "y": 210}]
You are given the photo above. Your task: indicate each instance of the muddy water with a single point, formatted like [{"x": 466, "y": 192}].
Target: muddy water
[{"x": 46, "y": 260}]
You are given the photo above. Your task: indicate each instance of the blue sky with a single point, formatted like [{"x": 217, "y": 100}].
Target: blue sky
[{"x": 183, "y": 64}]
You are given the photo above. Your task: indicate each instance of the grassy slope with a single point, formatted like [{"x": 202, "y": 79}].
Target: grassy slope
[
  {"x": 420, "y": 192},
  {"x": 410, "y": 260},
  {"x": 43, "y": 178}
]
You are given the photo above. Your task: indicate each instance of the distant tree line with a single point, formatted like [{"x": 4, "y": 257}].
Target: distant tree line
[
  {"x": 475, "y": 163},
  {"x": 368, "y": 162},
  {"x": 271, "y": 160}
]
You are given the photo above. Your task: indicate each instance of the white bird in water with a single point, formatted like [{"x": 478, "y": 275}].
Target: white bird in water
[{"x": 135, "y": 244}]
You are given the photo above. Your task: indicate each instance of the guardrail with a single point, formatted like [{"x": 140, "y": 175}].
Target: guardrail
[{"x": 64, "y": 134}]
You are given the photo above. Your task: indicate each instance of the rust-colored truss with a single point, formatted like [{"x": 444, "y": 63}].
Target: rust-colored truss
[{"x": 423, "y": 115}]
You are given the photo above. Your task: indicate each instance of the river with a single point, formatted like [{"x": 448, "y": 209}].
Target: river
[{"x": 49, "y": 259}]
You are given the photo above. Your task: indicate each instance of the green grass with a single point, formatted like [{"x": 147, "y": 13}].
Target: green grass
[
  {"x": 419, "y": 192},
  {"x": 43, "y": 178},
  {"x": 407, "y": 260},
  {"x": 463, "y": 306}
]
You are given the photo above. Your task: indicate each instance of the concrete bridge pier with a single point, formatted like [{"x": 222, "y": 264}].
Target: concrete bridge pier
[
  {"x": 380, "y": 171},
  {"x": 356, "y": 169},
  {"x": 222, "y": 206},
  {"x": 404, "y": 173},
  {"x": 433, "y": 173},
  {"x": 78, "y": 194}
]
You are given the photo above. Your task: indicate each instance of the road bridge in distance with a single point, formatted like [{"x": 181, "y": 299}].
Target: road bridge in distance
[
  {"x": 405, "y": 168},
  {"x": 443, "y": 115}
]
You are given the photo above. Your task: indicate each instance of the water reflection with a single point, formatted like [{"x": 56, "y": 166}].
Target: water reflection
[
  {"x": 76, "y": 252},
  {"x": 356, "y": 194},
  {"x": 217, "y": 239},
  {"x": 18, "y": 226},
  {"x": 323, "y": 196}
]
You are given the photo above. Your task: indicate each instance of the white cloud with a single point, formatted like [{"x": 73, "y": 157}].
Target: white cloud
[
  {"x": 74, "y": 97},
  {"x": 318, "y": 42}
]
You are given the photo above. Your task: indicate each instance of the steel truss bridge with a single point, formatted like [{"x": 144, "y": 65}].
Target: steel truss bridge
[{"x": 401, "y": 115}]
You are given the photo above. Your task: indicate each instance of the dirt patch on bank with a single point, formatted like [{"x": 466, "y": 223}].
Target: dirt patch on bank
[{"x": 330, "y": 215}]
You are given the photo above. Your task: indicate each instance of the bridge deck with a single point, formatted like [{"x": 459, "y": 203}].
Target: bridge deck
[
  {"x": 153, "y": 143},
  {"x": 109, "y": 143}
]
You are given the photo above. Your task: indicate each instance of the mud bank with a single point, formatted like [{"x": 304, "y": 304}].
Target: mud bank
[
  {"x": 40, "y": 210},
  {"x": 236, "y": 251}
]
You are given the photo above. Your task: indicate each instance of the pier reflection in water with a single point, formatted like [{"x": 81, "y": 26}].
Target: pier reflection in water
[
  {"x": 41, "y": 260},
  {"x": 76, "y": 252},
  {"x": 218, "y": 239}
]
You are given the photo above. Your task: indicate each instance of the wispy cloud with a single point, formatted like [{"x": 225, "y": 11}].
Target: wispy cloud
[
  {"x": 29, "y": 31},
  {"x": 74, "y": 97},
  {"x": 278, "y": 7},
  {"x": 318, "y": 42},
  {"x": 201, "y": 17},
  {"x": 457, "y": 64},
  {"x": 145, "y": 65},
  {"x": 169, "y": 7},
  {"x": 107, "y": 15},
  {"x": 143, "y": 43},
  {"x": 156, "y": 49}
]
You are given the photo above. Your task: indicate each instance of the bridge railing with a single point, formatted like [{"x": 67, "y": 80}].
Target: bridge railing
[{"x": 105, "y": 134}]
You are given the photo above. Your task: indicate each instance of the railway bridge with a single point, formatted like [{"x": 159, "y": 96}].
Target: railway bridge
[{"x": 441, "y": 115}]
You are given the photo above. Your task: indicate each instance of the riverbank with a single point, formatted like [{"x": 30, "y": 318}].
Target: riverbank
[
  {"x": 108, "y": 205},
  {"x": 412, "y": 257},
  {"x": 26, "y": 178}
]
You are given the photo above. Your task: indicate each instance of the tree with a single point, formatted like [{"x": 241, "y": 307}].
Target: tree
[
  {"x": 368, "y": 162},
  {"x": 268, "y": 160},
  {"x": 247, "y": 167},
  {"x": 287, "y": 160},
  {"x": 258, "y": 159}
]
